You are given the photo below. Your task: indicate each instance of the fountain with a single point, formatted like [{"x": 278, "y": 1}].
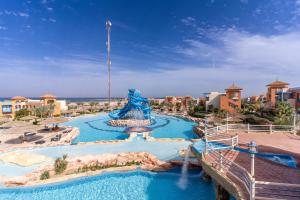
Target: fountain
[
  {"x": 135, "y": 115},
  {"x": 182, "y": 183}
]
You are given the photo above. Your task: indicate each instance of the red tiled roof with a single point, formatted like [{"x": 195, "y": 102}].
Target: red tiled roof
[
  {"x": 48, "y": 96},
  {"x": 18, "y": 98},
  {"x": 233, "y": 87},
  {"x": 278, "y": 83}
]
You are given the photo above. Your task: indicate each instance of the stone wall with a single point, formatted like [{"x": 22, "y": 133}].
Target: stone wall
[
  {"x": 129, "y": 122},
  {"x": 145, "y": 160}
]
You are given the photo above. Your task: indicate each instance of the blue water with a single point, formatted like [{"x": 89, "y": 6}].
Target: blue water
[
  {"x": 96, "y": 128},
  {"x": 282, "y": 159},
  {"x": 162, "y": 150},
  {"x": 136, "y": 185}
]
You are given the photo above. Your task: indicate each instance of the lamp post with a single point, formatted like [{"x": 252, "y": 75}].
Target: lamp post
[
  {"x": 108, "y": 28},
  {"x": 205, "y": 133},
  {"x": 252, "y": 150},
  {"x": 205, "y": 124}
]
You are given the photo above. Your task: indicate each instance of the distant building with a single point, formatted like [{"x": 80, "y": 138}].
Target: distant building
[
  {"x": 185, "y": 101},
  {"x": 10, "y": 107},
  {"x": 254, "y": 99},
  {"x": 295, "y": 98},
  {"x": 155, "y": 101},
  {"x": 277, "y": 91},
  {"x": 213, "y": 100},
  {"x": 229, "y": 101}
]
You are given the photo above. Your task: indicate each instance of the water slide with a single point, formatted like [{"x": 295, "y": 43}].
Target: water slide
[{"x": 135, "y": 103}]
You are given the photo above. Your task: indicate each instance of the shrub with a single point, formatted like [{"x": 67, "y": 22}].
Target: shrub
[
  {"x": 197, "y": 114},
  {"x": 45, "y": 175},
  {"x": 21, "y": 113},
  {"x": 60, "y": 164},
  {"x": 252, "y": 119}
]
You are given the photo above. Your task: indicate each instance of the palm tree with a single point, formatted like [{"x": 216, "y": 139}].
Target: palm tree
[
  {"x": 50, "y": 110},
  {"x": 284, "y": 113}
]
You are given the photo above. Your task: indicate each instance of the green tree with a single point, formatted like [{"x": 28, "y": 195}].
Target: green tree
[
  {"x": 45, "y": 175},
  {"x": 178, "y": 106},
  {"x": 22, "y": 113},
  {"x": 60, "y": 164},
  {"x": 284, "y": 113}
]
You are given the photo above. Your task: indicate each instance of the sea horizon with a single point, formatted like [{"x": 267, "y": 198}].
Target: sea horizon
[{"x": 74, "y": 99}]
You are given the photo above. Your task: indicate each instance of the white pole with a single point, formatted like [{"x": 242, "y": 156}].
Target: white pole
[
  {"x": 252, "y": 189},
  {"x": 221, "y": 162},
  {"x": 108, "y": 28},
  {"x": 252, "y": 164}
]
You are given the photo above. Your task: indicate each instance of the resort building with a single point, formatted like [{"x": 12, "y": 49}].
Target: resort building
[
  {"x": 213, "y": 100},
  {"x": 10, "y": 107},
  {"x": 295, "y": 98},
  {"x": 229, "y": 101},
  {"x": 184, "y": 101},
  {"x": 277, "y": 91},
  {"x": 155, "y": 101}
]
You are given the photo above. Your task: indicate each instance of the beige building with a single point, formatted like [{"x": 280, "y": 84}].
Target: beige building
[{"x": 8, "y": 108}]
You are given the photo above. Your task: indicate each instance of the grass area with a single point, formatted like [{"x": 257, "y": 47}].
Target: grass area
[{"x": 97, "y": 166}]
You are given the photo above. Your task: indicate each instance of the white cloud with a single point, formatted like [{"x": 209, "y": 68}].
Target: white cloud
[
  {"x": 22, "y": 14},
  {"x": 52, "y": 20},
  {"x": 188, "y": 21},
  {"x": 14, "y": 13},
  {"x": 3, "y": 28},
  {"x": 253, "y": 60}
]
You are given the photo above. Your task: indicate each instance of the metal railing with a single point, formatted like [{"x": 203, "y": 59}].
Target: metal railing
[
  {"x": 254, "y": 189},
  {"x": 226, "y": 166},
  {"x": 250, "y": 128}
]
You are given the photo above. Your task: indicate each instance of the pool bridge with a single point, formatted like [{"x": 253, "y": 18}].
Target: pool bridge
[{"x": 217, "y": 158}]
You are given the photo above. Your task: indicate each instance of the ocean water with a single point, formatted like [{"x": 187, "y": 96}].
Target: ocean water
[
  {"x": 135, "y": 185},
  {"x": 71, "y": 99}
]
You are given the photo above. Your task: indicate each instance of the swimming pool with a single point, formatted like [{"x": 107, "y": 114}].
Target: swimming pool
[
  {"x": 95, "y": 128},
  {"x": 282, "y": 159},
  {"x": 134, "y": 185}
]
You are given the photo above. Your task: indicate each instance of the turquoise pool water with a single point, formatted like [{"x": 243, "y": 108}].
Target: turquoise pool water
[
  {"x": 96, "y": 128},
  {"x": 162, "y": 150},
  {"x": 136, "y": 185}
]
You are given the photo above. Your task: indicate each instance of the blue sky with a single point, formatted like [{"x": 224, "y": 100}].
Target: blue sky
[{"x": 160, "y": 47}]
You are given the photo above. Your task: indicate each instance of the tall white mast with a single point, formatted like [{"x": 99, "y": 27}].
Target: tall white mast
[{"x": 108, "y": 28}]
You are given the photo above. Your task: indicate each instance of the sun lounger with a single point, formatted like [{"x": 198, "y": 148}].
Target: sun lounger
[{"x": 40, "y": 142}]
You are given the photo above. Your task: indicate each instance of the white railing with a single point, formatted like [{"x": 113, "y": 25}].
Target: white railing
[
  {"x": 222, "y": 142},
  {"x": 250, "y": 128},
  {"x": 224, "y": 165},
  {"x": 254, "y": 189}
]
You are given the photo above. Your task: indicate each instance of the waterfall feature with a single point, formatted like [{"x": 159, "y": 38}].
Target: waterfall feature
[{"x": 182, "y": 183}]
